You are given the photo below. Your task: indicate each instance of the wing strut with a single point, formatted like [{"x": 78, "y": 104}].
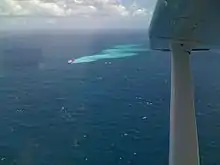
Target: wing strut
[{"x": 184, "y": 148}]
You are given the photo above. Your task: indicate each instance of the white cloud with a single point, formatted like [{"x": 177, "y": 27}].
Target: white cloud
[
  {"x": 140, "y": 12},
  {"x": 68, "y": 8},
  {"x": 11, "y": 8},
  {"x": 72, "y": 14}
]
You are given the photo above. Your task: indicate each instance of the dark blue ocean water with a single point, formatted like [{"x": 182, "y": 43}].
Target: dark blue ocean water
[{"x": 108, "y": 112}]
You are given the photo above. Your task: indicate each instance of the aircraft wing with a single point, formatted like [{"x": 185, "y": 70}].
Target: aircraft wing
[{"x": 186, "y": 21}]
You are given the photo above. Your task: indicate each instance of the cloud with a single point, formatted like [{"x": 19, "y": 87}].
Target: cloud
[
  {"x": 79, "y": 8},
  {"x": 11, "y": 7},
  {"x": 73, "y": 14}
]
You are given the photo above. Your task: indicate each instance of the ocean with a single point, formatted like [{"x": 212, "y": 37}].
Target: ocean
[{"x": 105, "y": 112}]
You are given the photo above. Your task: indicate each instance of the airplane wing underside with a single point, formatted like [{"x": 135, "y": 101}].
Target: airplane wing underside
[{"x": 187, "y": 21}]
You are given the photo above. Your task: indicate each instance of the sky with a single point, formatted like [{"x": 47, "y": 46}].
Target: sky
[{"x": 75, "y": 13}]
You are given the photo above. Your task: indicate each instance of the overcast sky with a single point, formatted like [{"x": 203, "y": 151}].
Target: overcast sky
[{"x": 75, "y": 13}]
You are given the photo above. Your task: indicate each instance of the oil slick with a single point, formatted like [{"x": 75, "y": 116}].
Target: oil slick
[{"x": 118, "y": 51}]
